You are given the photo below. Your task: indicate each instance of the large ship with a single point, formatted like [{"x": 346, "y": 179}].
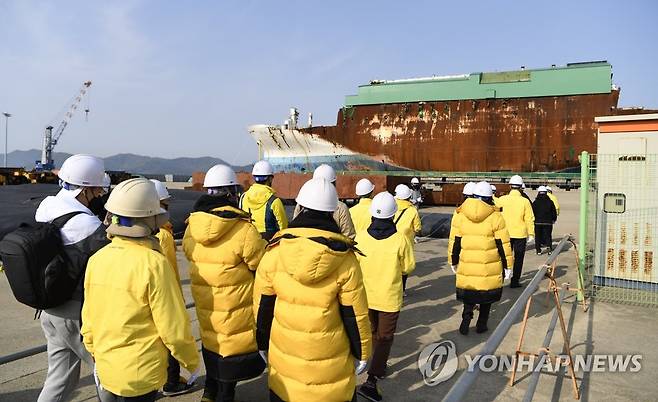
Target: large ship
[{"x": 528, "y": 120}]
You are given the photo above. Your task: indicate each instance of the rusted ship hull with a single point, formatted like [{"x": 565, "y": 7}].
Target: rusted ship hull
[{"x": 523, "y": 134}]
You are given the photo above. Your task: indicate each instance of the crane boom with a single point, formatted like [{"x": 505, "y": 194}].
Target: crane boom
[{"x": 51, "y": 138}]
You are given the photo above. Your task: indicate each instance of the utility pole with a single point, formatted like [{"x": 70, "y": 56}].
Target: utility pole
[{"x": 7, "y": 116}]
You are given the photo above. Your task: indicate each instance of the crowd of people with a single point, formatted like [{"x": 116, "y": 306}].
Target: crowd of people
[{"x": 315, "y": 300}]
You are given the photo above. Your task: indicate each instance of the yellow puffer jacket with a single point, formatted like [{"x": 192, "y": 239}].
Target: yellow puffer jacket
[
  {"x": 409, "y": 223},
  {"x": 454, "y": 227},
  {"x": 481, "y": 251},
  {"x": 361, "y": 216},
  {"x": 341, "y": 216},
  {"x": 133, "y": 314},
  {"x": 555, "y": 202},
  {"x": 382, "y": 264},
  {"x": 267, "y": 219},
  {"x": 223, "y": 251},
  {"x": 318, "y": 316},
  {"x": 168, "y": 247},
  {"x": 517, "y": 211}
]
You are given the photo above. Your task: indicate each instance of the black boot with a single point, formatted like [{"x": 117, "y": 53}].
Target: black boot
[
  {"x": 483, "y": 317},
  {"x": 463, "y": 328}
]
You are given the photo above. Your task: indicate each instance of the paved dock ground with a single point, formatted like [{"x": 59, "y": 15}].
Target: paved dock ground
[{"x": 430, "y": 314}]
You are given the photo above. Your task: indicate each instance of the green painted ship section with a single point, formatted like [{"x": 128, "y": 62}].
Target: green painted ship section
[{"x": 573, "y": 79}]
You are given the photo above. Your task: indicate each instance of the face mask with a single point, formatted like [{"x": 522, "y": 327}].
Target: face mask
[{"x": 97, "y": 206}]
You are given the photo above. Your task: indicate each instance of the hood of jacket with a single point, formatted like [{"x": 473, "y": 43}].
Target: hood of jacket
[
  {"x": 208, "y": 227},
  {"x": 258, "y": 194},
  {"x": 476, "y": 210},
  {"x": 312, "y": 254}
]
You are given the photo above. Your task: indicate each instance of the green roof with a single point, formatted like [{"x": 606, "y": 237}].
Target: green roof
[{"x": 572, "y": 79}]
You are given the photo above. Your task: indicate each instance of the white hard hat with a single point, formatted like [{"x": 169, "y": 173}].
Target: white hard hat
[
  {"x": 493, "y": 188},
  {"x": 402, "y": 192},
  {"x": 542, "y": 189},
  {"x": 383, "y": 206},
  {"x": 318, "y": 194},
  {"x": 262, "y": 168},
  {"x": 83, "y": 170},
  {"x": 549, "y": 189},
  {"x": 163, "y": 194},
  {"x": 326, "y": 172},
  {"x": 220, "y": 176},
  {"x": 364, "y": 186},
  {"x": 516, "y": 180},
  {"x": 134, "y": 198},
  {"x": 482, "y": 189},
  {"x": 107, "y": 181},
  {"x": 468, "y": 188},
  {"x": 415, "y": 180}
]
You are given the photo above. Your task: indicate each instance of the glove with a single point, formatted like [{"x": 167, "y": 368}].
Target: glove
[
  {"x": 97, "y": 380},
  {"x": 531, "y": 239},
  {"x": 361, "y": 366},
  {"x": 454, "y": 269},
  {"x": 508, "y": 274},
  {"x": 194, "y": 376},
  {"x": 263, "y": 355}
]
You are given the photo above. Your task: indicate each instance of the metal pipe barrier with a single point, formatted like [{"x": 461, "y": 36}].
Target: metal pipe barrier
[
  {"x": 536, "y": 371},
  {"x": 464, "y": 382},
  {"x": 39, "y": 349}
]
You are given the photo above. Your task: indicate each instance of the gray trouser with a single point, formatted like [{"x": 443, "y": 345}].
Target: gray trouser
[{"x": 65, "y": 351}]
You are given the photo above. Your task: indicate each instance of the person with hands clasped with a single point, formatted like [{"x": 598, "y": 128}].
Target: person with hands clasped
[
  {"x": 481, "y": 255},
  {"x": 311, "y": 306}
]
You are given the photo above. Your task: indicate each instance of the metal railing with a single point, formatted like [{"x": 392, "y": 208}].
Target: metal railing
[
  {"x": 463, "y": 384},
  {"x": 39, "y": 349}
]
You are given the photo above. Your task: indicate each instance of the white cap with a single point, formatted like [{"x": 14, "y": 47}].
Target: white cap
[
  {"x": 319, "y": 195},
  {"x": 220, "y": 176},
  {"x": 493, "y": 188},
  {"x": 549, "y": 189},
  {"x": 364, "y": 186},
  {"x": 326, "y": 172},
  {"x": 383, "y": 206},
  {"x": 163, "y": 194},
  {"x": 516, "y": 180},
  {"x": 542, "y": 189},
  {"x": 415, "y": 180},
  {"x": 262, "y": 168},
  {"x": 83, "y": 170},
  {"x": 402, "y": 192},
  {"x": 468, "y": 188},
  {"x": 134, "y": 198},
  {"x": 482, "y": 189}
]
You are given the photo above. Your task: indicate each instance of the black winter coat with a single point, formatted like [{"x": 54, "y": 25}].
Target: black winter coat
[{"x": 544, "y": 210}]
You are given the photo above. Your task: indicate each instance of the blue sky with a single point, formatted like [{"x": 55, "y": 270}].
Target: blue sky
[{"x": 175, "y": 78}]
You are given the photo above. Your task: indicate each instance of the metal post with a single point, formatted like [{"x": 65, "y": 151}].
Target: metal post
[
  {"x": 582, "y": 232},
  {"x": 7, "y": 116}
]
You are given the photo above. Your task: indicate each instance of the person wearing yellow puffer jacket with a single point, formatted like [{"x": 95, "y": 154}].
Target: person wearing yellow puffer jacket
[
  {"x": 481, "y": 256},
  {"x": 224, "y": 249},
  {"x": 133, "y": 312},
  {"x": 520, "y": 222},
  {"x": 311, "y": 307},
  {"x": 387, "y": 255},
  {"x": 407, "y": 221},
  {"x": 360, "y": 213},
  {"x": 260, "y": 201}
]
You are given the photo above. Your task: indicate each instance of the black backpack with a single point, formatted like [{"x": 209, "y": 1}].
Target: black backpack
[{"x": 36, "y": 265}]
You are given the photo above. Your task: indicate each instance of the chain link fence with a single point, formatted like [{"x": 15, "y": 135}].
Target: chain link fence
[{"x": 622, "y": 228}]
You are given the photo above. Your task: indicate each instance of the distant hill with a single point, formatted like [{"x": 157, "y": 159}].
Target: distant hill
[{"x": 132, "y": 163}]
